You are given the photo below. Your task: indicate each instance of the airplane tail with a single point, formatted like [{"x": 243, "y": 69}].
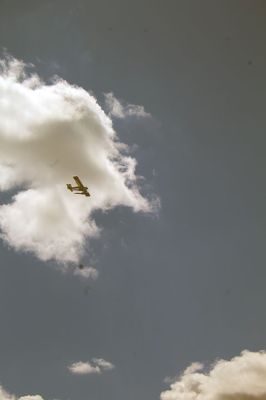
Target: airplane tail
[{"x": 69, "y": 186}]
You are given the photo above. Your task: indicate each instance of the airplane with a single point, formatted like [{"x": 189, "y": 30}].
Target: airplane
[{"x": 80, "y": 189}]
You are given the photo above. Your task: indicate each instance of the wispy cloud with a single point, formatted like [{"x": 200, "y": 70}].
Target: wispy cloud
[
  {"x": 96, "y": 366},
  {"x": 87, "y": 273},
  {"x": 241, "y": 378},
  {"x": 48, "y": 134},
  {"x": 116, "y": 109}
]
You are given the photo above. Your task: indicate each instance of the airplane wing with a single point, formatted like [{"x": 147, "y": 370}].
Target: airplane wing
[
  {"x": 80, "y": 187},
  {"x": 78, "y": 182}
]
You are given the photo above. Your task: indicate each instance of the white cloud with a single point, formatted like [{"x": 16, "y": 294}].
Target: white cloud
[
  {"x": 241, "y": 378},
  {"x": 96, "y": 366},
  {"x": 48, "y": 134},
  {"x": 29, "y": 397},
  {"x": 84, "y": 368},
  {"x": 117, "y": 110},
  {"x": 4, "y": 395}
]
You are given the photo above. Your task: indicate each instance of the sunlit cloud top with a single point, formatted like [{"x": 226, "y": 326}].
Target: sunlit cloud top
[{"x": 241, "y": 378}]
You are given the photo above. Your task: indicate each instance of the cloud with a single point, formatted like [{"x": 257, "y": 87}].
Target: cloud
[
  {"x": 4, "y": 395},
  {"x": 97, "y": 366},
  {"x": 117, "y": 110},
  {"x": 103, "y": 364},
  {"x": 29, "y": 397},
  {"x": 87, "y": 273},
  {"x": 241, "y": 378},
  {"x": 84, "y": 368},
  {"x": 48, "y": 134}
]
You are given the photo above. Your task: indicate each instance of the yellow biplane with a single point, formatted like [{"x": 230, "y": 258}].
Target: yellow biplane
[{"x": 80, "y": 189}]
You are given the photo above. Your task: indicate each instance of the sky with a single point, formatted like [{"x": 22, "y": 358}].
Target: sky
[{"x": 159, "y": 106}]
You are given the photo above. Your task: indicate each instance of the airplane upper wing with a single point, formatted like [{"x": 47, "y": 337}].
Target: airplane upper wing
[{"x": 78, "y": 181}]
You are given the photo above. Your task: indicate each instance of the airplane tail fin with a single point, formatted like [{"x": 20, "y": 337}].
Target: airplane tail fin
[{"x": 69, "y": 187}]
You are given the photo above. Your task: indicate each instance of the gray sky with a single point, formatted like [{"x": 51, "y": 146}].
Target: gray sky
[{"x": 187, "y": 286}]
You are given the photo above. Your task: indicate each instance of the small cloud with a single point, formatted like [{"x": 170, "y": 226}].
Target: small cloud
[
  {"x": 87, "y": 273},
  {"x": 117, "y": 110},
  {"x": 96, "y": 366},
  {"x": 84, "y": 368},
  {"x": 103, "y": 364},
  {"x": 241, "y": 378}
]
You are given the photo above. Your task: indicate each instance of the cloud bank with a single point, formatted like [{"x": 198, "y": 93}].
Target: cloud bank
[
  {"x": 241, "y": 378},
  {"x": 96, "y": 366},
  {"x": 48, "y": 134}
]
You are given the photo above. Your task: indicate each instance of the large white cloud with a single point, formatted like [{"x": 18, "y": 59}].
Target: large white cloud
[
  {"x": 241, "y": 378},
  {"x": 48, "y": 134},
  {"x": 96, "y": 366}
]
